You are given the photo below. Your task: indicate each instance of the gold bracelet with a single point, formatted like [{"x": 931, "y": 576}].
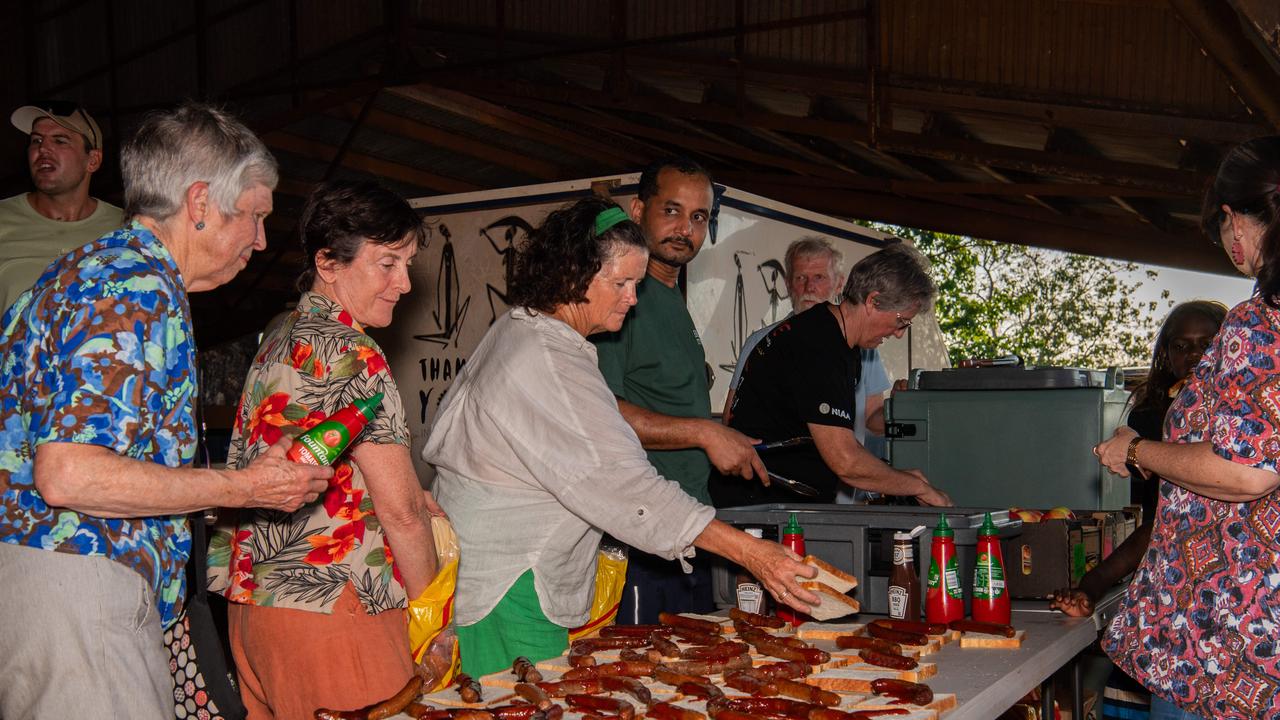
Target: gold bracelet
[{"x": 1131, "y": 455}]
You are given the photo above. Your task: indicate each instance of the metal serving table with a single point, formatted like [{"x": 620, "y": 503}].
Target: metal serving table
[{"x": 988, "y": 682}]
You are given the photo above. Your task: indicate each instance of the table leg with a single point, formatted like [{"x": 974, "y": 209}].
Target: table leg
[
  {"x": 1046, "y": 699},
  {"x": 1077, "y": 690}
]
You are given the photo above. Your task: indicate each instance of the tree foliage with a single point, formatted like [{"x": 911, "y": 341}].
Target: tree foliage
[{"x": 1047, "y": 307}]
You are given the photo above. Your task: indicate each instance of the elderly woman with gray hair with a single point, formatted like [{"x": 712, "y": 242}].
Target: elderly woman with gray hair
[
  {"x": 801, "y": 381},
  {"x": 97, "y": 409}
]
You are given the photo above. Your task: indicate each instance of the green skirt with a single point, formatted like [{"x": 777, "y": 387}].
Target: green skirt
[{"x": 515, "y": 627}]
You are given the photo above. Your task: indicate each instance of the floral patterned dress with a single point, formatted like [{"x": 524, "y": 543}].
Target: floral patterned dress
[
  {"x": 1200, "y": 621},
  {"x": 315, "y": 362},
  {"x": 101, "y": 352}
]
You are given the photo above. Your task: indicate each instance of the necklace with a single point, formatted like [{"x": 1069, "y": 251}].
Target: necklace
[{"x": 843, "y": 333}]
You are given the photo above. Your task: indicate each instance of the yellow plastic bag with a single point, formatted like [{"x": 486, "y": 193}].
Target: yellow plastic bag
[
  {"x": 431, "y": 637},
  {"x": 611, "y": 578}
]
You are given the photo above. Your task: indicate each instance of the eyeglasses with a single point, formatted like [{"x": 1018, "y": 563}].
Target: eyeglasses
[{"x": 902, "y": 324}]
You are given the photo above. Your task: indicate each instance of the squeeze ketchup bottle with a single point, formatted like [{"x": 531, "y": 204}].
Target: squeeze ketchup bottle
[
  {"x": 944, "y": 599},
  {"x": 324, "y": 443},
  {"x": 793, "y": 540},
  {"x": 990, "y": 596}
]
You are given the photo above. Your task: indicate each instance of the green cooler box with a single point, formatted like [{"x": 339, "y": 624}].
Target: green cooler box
[{"x": 1011, "y": 436}]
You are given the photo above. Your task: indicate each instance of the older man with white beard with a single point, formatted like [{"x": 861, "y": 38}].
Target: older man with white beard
[{"x": 812, "y": 274}]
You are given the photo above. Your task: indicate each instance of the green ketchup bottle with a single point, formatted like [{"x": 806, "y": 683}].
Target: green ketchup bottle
[{"x": 324, "y": 443}]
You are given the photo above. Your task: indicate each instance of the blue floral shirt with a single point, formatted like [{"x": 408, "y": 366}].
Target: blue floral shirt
[{"x": 100, "y": 351}]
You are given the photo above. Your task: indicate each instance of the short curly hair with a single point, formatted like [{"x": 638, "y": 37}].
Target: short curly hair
[{"x": 555, "y": 265}]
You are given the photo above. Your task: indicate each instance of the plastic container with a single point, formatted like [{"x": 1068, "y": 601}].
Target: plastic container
[
  {"x": 990, "y": 592},
  {"x": 944, "y": 598},
  {"x": 325, "y": 443}
]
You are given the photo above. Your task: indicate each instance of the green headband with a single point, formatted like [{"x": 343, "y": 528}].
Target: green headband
[{"x": 608, "y": 218}]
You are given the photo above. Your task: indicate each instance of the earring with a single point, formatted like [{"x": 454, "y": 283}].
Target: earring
[{"x": 200, "y": 225}]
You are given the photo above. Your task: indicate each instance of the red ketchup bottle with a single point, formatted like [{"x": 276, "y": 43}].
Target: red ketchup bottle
[
  {"x": 324, "y": 443},
  {"x": 943, "y": 599},
  {"x": 990, "y": 595},
  {"x": 793, "y": 540}
]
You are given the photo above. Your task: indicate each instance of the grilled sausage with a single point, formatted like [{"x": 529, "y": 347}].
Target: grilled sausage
[
  {"x": 667, "y": 711},
  {"x": 769, "y": 647},
  {"x": 983, "y": 627},
  {"x": 888, "y": 660},
  {"x": 533, "y": 694},
  {"x": 613, "y": 706},
  {"x": 723, "y": 651},
  {"x": 665, "y": 674},
  {"x": 697, "y": 637},
  {"x": 468, "y": 688},
  {"x": 525, "y": 671},
  {"x": 520, "y": 711},
  {"x": 912, "y": 626},
  {"x": 903, "y": 690},
  {"x": 630, "y": 668},
  {"x": 789, "y": 670},
  {"x": 609, "y": 631},
  {"x": 680, "y": 621},
  {"x": 584, "y": 686},
  {"x": 628, "y": 685},
  {"x": 704, "y": 690},
  {"x": 750, "y": 684},
  {"x": 757, "y": 619},
  {"x": 710, "y": 667},
  {"x": 806, "y": 692},
  {"x": 862, "y": 642},
  {"x": 898, "y": 636},
  {"x": 773, "y": 707},
  {"x": 664, "y": 647}
]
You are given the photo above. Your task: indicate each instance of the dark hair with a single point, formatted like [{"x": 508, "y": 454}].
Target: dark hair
[
  {"x": 649, "y": 176},
  {"x": 1153, "y": 393},
  {"x": 557, "y": 261},
  {"x": 341, "y": 215},
  {"x": 1248, "y": 182},
  {"x": 899, "y": 273}
]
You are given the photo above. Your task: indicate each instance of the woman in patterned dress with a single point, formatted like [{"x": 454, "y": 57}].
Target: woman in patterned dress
[
  {"x": 318, "y": 596},
  {"x": 97, "y": 427},
  {"x": 1198, "y": 625}
]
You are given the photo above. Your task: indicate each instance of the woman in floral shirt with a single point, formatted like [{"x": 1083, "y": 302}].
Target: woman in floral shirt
[
  {"x": 97, "y": 427},
  {"x": 318, "y": 595},
  {"x": 1198, "y": 625}
]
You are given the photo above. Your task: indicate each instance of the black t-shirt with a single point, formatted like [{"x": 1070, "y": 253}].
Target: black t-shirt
[{"x": 803, "y": 372}]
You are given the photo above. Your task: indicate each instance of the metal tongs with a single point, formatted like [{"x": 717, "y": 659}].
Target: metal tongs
[
  {"x": 794, "y": 486},
  {"x": 789, "y": 442}
]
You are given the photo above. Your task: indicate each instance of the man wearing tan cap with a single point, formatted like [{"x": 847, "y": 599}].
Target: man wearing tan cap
[{"x": 59, "y": 215}]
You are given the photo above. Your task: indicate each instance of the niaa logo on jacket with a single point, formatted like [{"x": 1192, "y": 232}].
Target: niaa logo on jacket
[{"x": 826, "y": 409}]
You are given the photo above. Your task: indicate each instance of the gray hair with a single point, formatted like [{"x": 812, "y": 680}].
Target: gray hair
[
  {"x": 194, "y": 142},
  {"x": 810, "y": 246},
  {"x": 899, "y": 273}
]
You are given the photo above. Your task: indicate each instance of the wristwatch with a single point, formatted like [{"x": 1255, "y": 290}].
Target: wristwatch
[{"x": 1131, "y": 455}]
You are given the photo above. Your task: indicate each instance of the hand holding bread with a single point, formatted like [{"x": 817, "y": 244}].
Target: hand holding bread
[
  {"x": 782, "y": 573},
  {"x": 830, "y": 584}
]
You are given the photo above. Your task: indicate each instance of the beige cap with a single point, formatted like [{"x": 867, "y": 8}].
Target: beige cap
[{"x": 67, "y": 114}]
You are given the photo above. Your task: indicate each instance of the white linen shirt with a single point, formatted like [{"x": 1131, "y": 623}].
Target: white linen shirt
[{"x": 534, "y": 461}]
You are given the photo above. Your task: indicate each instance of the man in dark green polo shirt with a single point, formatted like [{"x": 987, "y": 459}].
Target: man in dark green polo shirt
[{"x": 655, "y": 366}]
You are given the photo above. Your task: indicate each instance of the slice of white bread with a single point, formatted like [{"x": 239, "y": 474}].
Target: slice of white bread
[
  {"x": 834, "y": 603},
  {"x": 831, "y": 576}
]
